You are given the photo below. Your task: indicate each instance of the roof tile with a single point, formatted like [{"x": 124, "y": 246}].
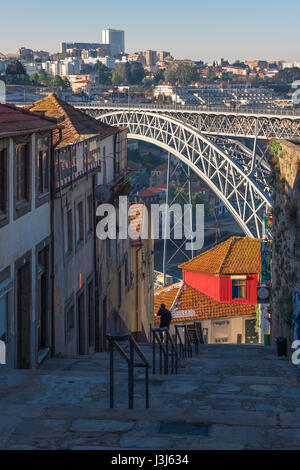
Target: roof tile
[
  {"x": 76, "y": 125},
  {"x": 237, "y": 255}
]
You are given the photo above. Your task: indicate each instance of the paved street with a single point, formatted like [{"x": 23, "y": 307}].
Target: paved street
[{"x": 235, "y": 397}]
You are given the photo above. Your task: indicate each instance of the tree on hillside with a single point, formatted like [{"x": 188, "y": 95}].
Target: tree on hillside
[
  {"x": 16, "y": 68},
  {"x": 121, "y": 75},
  {"x": 103, "y": 73},
  {"x": 137, "y": 73},
  {"x": 180, "y": 74}
]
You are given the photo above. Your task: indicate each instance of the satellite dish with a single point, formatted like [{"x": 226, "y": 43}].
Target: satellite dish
[{"x": 102, "y": 193}]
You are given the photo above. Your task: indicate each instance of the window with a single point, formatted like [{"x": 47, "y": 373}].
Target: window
[
  {"x": 3, "y": 181},
  {"x": 3, "y": 317},
  {"x": 69, "y": 233},
  {"x": 239, "y": 288},
  {"x": 90, "y": 224},
  {"x": 120, "y": 289},
  {"x": 91, "y": 313},
  {"x": 42, "y": 299},
  {"x": 70, "y": 320},
  {"x": 42, "y": 171},
  {"x": 79, "y": 223},
  {"x": 22, "y": 173}
]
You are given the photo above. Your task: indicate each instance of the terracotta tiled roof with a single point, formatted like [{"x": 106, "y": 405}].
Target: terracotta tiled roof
[
  {"x": 188, "y": 304},
  {"x": 14, "y": 121},
  {"x": 76, "y": 126},
  {"x": 166, "y": 295},
  {"x": 237, "y": 255},
  {"x": 146, "y": 193}
]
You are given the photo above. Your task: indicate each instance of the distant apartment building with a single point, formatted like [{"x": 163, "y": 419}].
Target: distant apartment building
[
  {"x": 165, "y": 89},
  {"x": 150, "y": 57},
  {"x": 81, "y": 45},
  {"x": 32, "y": 68},
  {"x": 3, "y": 65},
  {"x": 137, "y": 57},
  {"x": 235, "y": 70},
  {"x": 25, "y": 231},
  {"x": 162, "y": 55},
  {"x": 116, "y": 39},
  {"x": 159, "y": 175},
  {"x": 69, "y": 66}
]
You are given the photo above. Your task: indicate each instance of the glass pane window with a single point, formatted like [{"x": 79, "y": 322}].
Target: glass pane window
[
  {"x": 43, "y": 180},
  {"x": 22, "y": 172},
  {"x": 239, "y": 288},
  {"x": 3, "y": 181},
  {"x": 3, "y": 314}
]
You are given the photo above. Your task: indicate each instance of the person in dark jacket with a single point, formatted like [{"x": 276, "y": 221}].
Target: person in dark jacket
[{"x": 165, "y": 316}]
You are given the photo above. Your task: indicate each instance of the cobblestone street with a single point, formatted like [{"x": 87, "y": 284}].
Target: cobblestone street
[{"x": 239, "y": 397}]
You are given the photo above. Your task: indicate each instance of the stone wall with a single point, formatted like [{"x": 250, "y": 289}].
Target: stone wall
[{"x": 285, "y": 180}]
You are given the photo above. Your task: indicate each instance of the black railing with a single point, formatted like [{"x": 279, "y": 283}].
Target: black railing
[
  {"x": 209, "y": 108},
  {"x": 133, "y": 347},
  {"x": 199, "y": 330},
  {"x": 192, "y": 330},
  {"x": 185, "y": 347},
  {"x": 167, "y": 350}
]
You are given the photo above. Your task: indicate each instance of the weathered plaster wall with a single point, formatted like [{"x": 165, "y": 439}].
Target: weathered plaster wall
[{"x": 285, "y": 179}]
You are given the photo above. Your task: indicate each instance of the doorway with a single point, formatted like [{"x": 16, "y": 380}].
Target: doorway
[
  {"x": 251, "y": 335},
  {"x": 81, "y": 323},
  {"x": 23, "y": 316}
]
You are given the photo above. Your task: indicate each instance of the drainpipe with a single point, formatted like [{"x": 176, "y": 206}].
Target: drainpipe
[
  {"x": 52, "y": 198},
  {"x": 137, "y": 289},
  {"x": 97, "y": 305}
]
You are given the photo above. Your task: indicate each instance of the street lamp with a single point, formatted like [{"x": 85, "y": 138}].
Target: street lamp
[{"x": 128, "y": 88}]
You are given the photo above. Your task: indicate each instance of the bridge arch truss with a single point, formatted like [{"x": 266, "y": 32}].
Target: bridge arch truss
[{"x": 229, "y": 168}]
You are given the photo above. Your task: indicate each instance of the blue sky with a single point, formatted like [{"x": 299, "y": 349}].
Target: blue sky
[{"x": 194, "y": 29}]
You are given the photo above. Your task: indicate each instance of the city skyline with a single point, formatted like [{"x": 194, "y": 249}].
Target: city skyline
[{"x": 200, "y": 31}]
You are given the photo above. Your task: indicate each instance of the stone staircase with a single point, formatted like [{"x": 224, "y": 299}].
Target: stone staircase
[{"x": 227, "y": 397}]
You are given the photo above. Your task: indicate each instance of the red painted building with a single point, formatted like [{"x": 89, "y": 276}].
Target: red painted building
[{"x": 228, "y": 272}]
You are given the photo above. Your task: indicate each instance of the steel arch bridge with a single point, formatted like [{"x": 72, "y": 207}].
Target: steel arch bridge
[{"x": 233, "y": 172}]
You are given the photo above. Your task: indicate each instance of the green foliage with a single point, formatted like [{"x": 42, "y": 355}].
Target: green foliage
[
  {"x": 103, "y": 73},
  {"x": 275, "y": 148},
  {"x": 181, "y": 196},
  {"x": 180, "y": 74},
  {"x": 128, "y": 74},
  {"x": 149, "y": 160},
  {"x": 15, "y": 68}
]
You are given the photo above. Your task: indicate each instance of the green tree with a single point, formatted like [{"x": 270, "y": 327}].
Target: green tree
[
  {"x": 121, "y": 75},
  {"x": 180, "y": 74},
  {"x": 137, "y": 73},
  {"x": 34, "y": 79},
  {"x": 57, "y": 82},
  {"x": 211, "y": 74},
  {"x": 16, "y": 68},
  {"x": 179, "y": 194},
  {"x": 44, "y": 79},
  {"x": 103, "y": 74},
  {"x": 66, "y": 83}
]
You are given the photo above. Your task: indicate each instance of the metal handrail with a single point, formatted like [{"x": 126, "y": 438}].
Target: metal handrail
[
  {"x": 114, "y": 344},
  {"x": 186, "y": 347},
  {"x": 195, "y": 339},
  {"x": 156, "y": 338},
  {"x": 198, "y": 324},
  {"x": 158, "y": 335}
]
